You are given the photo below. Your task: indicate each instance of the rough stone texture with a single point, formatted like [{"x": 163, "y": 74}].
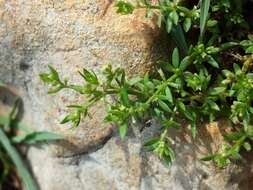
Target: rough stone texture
[{"x": 71, "y": 34}]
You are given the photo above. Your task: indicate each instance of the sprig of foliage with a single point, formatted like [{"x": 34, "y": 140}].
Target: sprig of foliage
[
  {"x": 196, "y": 86},
  {"x": 9, "y": 125},
  {"x": 168, "y": 12}
]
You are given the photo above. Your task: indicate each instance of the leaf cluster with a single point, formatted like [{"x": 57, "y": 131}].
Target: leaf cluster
[{"x": 198, "y": 84}]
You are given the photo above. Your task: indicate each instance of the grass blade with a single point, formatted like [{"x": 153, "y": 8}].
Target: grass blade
[
  {"x": 41, "y": 136},
  {"x": 179, "y": 37},
  {"x": 204, "y": 9},
  {"x": 20, "y": 166}
]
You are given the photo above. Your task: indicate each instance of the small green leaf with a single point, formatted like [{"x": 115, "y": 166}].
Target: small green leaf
[
  {"x": 185, "y": 63},
  {"x": 237, "y": 68},
  {"x": 187, "y": 24},
  {"x": 194, "y": 129},
  {"x": 246, "y": 43},
  {"x": 54, "y": 90},
  {"x": 169, "y": 25},
  {"x": 246, "y": 120},
  {"x": 212, "y": 62},
  {"x": 170, "y": 124},
  {"x": 182, "y": 106},
  {"x": 175, "y": 58},
  {"x": 217, "y": 90},
  {"x": 152, "y": 144},
  {"x": 209, "y": 158},
  {"x": 169, "y": 94},
  {"x": 228, "y": 45},
  {"x": 73, "y": 117},
  {"x": 124, "y": 96},
  {"x": 213, "y": 105},
  {"x": 89, "y": 77},
  {"x": 45, "y": 78},
  {"x": 159, "y": 20},
  {"x": 174, "y": 17},
  {"x": 134, "y": 80},
  {"x": 123, "y": 130},
  {"x": 54, "y": 73},
  {"x": 249, "y": 49},
  {"x": 247, "y": 146},
  {"x": 164, "y": 106},
  {"x": 212, "y": 23}
]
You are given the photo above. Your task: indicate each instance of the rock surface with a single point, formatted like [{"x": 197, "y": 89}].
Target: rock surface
[{"x": 71, "y": 34}]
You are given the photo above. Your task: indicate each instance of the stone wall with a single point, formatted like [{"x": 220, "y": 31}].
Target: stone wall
[{"x": 71, "y": 34}]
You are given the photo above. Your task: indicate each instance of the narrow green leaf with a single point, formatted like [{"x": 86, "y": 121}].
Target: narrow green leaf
[
  {"x": 174, "y": 17},
  {"x": 124, "y": 96},
  {"x": 175, "y": 58},
  {"x": 169, "y": 25},
  {"x": 204, "y": 9},
  {"x": 179, "y": 37},
  {"x": 194, "y": 129},
  {"x": 237, "y": 68},
  {"x": 181, "y": 106},
  {"x": 40, "y": 136},
  {"x": 123, "y": 130},
  {"x": 45, "y": 78},
  {"x": 187, "y": 24},
  {"x": 164, "y": 106},
  {"x": 249, "y": 49},
  {"x": 212, "y": 62},
  {"x": 134, "y": 80},
  {"x": 185, "y": 63},
  {"x": 247, "y": 146},
  {"x": 89, "y": 76},
  {"x": 209, "y": 158},
  {"x": 170, "y": 124},
  {"x": 228, "y": 45},
  {"x": 54, "y": 73},
  {"x": 246, "y": 120},
  {"x": 169, "y": 94},
  {"x": 20, "y": 165},
  {"x": 217, "y": 90},
  {"x": 151, "y": 142},
  {"x": 159, "y": 20},
  {"x": 212, "y": 23},
  {"x": 213, "y": 105}
]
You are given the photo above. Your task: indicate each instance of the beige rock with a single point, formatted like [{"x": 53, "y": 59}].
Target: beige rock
[{"x": 71, "y": 34}]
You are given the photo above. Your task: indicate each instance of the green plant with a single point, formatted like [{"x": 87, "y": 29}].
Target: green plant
[
  {"x": 13, "y": 133},
  {"x": 211, "y": 79}
]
